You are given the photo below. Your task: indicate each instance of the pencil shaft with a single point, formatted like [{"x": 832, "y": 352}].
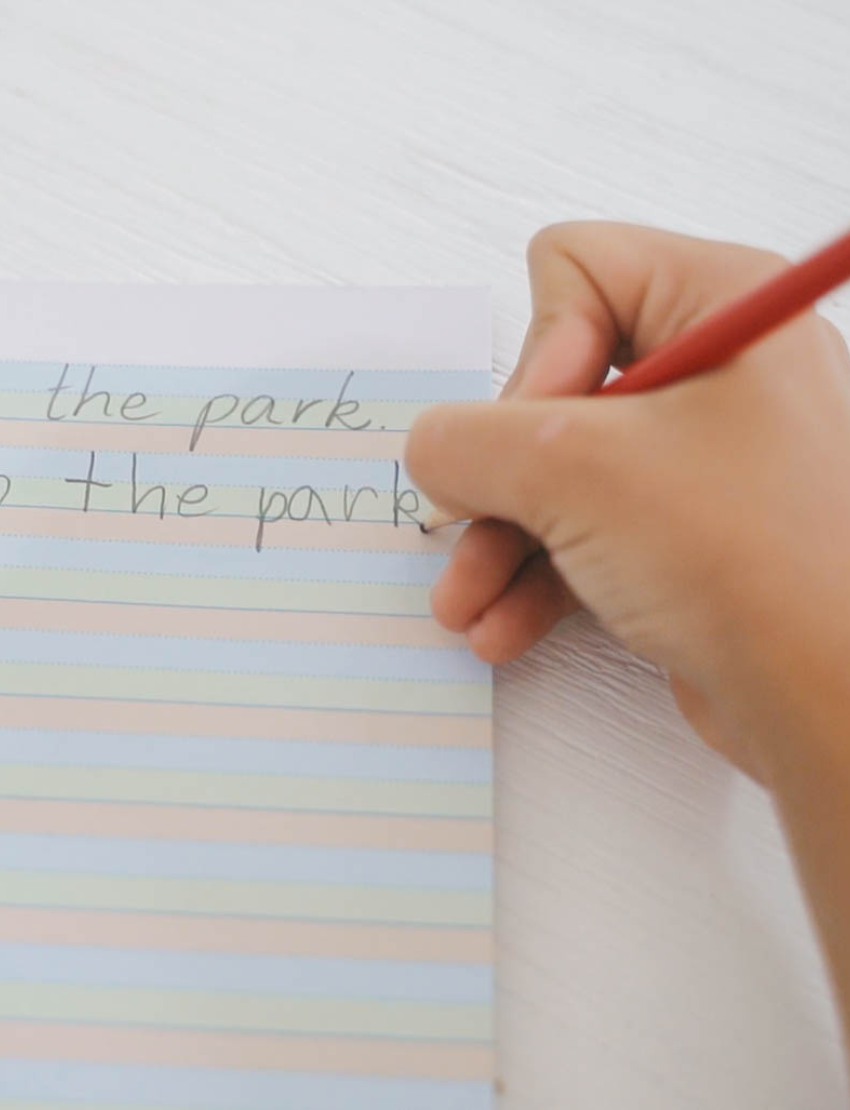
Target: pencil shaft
[{"x": 727, "y": 331}]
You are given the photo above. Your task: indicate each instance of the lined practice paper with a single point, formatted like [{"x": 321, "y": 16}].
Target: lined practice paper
[{"x": 245, "y": 780}]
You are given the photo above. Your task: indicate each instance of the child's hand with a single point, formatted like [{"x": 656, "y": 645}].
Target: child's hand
[{"x": 707, "y": 524}]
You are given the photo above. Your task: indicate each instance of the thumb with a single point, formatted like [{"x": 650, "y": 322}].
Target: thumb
[{"x": 543, "y": 465}]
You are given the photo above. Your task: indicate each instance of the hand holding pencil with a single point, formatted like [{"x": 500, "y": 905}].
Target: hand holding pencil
[
  {"x": 706, "y": 525},
  {"x": 711, "y": 342},
  {"x": 668, "y": 513}
]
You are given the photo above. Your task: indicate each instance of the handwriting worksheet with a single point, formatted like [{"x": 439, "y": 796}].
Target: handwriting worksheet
[{"x": 245, "y": 779}]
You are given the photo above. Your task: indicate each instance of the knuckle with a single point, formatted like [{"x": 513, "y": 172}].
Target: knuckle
[
  {"x": 773, "y": 260},
  {"x": 545, "y": 242},
  {"x": 734, "y": 265},
  {"x": 764, "y": 263},
  {"x": 543, "y": 320},
  {"x": 833, "y": 334}
]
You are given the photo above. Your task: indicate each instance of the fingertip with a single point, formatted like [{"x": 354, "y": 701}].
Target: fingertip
[
  {"x": 528, "y": 610},
  {"x": 490, "y": 643},
  {"x": 482, "y": 564},
  {"x": 446, "y": 605}
]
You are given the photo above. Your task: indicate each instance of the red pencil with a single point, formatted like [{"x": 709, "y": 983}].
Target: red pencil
[{"x": 736, "y": 325}]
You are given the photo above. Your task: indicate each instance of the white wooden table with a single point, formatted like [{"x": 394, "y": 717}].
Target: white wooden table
[{"x": 654, "y": 951}]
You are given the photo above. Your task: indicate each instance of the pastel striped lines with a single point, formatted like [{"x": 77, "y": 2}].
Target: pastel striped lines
[
  {"x": 329, "y": 470},
  {"x": 176, "y": 932},
  {"x": 308, "y": 565},
  {"x": 310, "y": 659},
  {"x": 305, "y": 692},
  {"x": 347, "y": 1056},
  {"x": 257, "y": 722},
  {"x": 310, "y": 864},
  {"x": 330, "y": 505},
  {"x": 398, "y": 993},
  {"x": 246, "y": 382},
  {"x": 246, "y": 755},
  {"x": 217, "y": 440},
  {"x": 236, "y": 1010},
  {"x": 317, "y": 793},
  {"x": 313, "y": 901},
  {"x": 214, "y": 531},
  {"x": 233, "y": 625},
  {"x": 215, "y": 592},
  {"x": 244, "y": 826},
  {"x": 58, "y": 1084},
  {"x": 245, "y": 798},
  {"x": 179, "y": 414}
]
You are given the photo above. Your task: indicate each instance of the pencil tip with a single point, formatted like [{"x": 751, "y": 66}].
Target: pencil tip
[
  {"x": 437, "y": 519},
  {"x": 423, "y": 529}
]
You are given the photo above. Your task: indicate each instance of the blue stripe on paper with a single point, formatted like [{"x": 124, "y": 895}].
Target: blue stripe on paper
[
  {"x": 303, "y": 977},
  {"x": 384, "y": 762},
  {"x": 273, "y": 863}
]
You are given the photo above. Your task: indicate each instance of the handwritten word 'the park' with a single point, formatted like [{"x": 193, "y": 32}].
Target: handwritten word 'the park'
[
  {"x": 398, "y": 504},
  {"x": 340, "y": 411}
]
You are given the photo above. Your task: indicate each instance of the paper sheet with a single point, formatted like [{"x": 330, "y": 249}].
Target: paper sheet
[{"x": 245, "y": 780}]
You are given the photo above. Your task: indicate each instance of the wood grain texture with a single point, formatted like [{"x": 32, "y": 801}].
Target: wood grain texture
[{"x": 654, "y": 950}]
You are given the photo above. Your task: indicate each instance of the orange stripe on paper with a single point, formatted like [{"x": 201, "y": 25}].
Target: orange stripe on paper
[
  {"x": 212, "y": 530},
  {"x": 173, "y": 822},
  {"x": 178, "y": 1048},
  {"x": 257, "y": 936},
  {"x": 223, "y": 624},
  {"x": 154, "y": 439},
  {"x": 254, "y": 722}
]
